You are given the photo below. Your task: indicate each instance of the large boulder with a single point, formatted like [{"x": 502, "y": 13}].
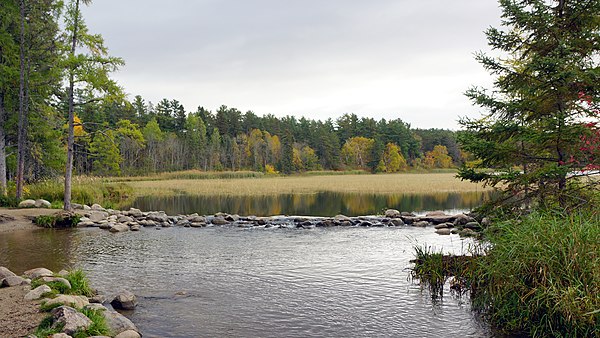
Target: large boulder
[
  {"x": 75, "y": 301},
  {"x": 97, "y": 206},
  {"x": 128, "y": 334},
  {"x": 342, "y": 218},
  {"x": 37, "y": 273},
  {"x": 462, "y": 219},
  {"x": 118, "y": 323},
  {"x": 219, "y": 220},
  {"x": 27, "y": 204},
  {"x": 124, "y": 301},
  {"x": 97, "y": 216},
  {"x": 13, "y": 281},
  {"x": 392, "y": 213},
  {"x": 119, "y": 227},
  {"x": 70, "y": 319},
  {"x": 133, "y": 212},
  {"x": 4, "y": 272},
  {"x": 420, "y": 224},
  {"x": 397, "y": 222},
  {"x": 38, "y": 292},
  {"x": 57, "y": 279},
  {"x": 42, "y": 204},
  {"x": 160, "y": 217},
  {"x": 444, "y": 231}
]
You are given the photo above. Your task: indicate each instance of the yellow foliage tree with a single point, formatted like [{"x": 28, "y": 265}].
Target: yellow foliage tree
[{"x": 438, "y": 158}]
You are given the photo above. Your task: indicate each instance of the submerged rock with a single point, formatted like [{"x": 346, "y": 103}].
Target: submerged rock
[{"x": 124, "y": 301}]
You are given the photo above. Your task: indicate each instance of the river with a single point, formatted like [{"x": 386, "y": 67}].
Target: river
[{"x": 230, "y": 282}]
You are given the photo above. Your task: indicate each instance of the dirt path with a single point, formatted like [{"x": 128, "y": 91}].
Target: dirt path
[
  {"x": 18, "y": 317},
  {"x": 20, "y": 219}
]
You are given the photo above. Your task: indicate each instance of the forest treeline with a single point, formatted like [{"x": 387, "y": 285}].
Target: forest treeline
[{"x": 57, "y": 100}]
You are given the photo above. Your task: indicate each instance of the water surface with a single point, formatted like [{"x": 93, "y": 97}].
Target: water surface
[
  {"x": 318, "y": 204},
  {"x": 229, "y": 282}
]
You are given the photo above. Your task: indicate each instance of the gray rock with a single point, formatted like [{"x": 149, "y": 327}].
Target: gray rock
[
  {"x": 106, "y": 225},
  {"x": 57, "y": 279},
  {"x": 407, "y": 214},
  {"x": 420, "y": 224},
  {"x": 125, "y": 300},
  {"x": 4, "y": 272},
  {"x": 444, "y": 231},
  {"x": 342, "y": 218},
  {"x": 27, "y": 204},
  {"x": 70, "y": 319},
  {"x": 473, "y": 226},
  {"x": 37, "y": 273},
  {"x": 119, "y": 227},
  {"x": 467, "y": 233},
  {"x": 435, "y": 213},
  {"x": 42, "y": 204},
  {"x": 87, "y": 224},
  {"x": 197, "y": 225},
  {"x": 38, "y": 292},
  {"x": 219, "y": 220},
  {"x": 133, "y": 212},
  {"x": 392, "y": 213},
  {"x": 159, "y": 217},
  {"x": 118, "y": 323},
  {"x": 486, "y": 222},
  {"x": 86, "y": 207},
  {"x": 124, "y": 219},
  {"x": 232, "y": 218},
  {"x": 112, "y": 218},
  {"x": 96, "y": 307},
  {"x": 409, "y": 219},
  {"x": 98, "y": 299},
  {"x": 60, "y": 335},
  {"x": 147, "y": 223},
  {"x": 97, "y": 216},
  {"x": 397, "y": 222},
  {"x": 441, "y": 226},
  {"x": 63, "y": 272},
  {"x": 128, "y": 334},
  {"x": 97, "y": 206},
  {"x": 462, "y": 219},
  {"x": 76, "y": 206},
  {"x": 75, "y": 301},
  {"x": 12, "y": 281},
  {"x": 135, "y": 227}
]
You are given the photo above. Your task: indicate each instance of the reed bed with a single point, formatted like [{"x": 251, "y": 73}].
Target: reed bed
[{"x": 408, "y": 183}]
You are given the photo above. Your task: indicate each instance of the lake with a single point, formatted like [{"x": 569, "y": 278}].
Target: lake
[{"x": 316, "y": 204}]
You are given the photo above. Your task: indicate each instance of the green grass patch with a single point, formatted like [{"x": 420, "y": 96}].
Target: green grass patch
[
  {"x": 49, "y": 307},
  {"x": 80, "y": 284},
  {"x": 99, "y": 326},
  {"x": 61, "y": 220},
  {"x": 45, "y": 328}
]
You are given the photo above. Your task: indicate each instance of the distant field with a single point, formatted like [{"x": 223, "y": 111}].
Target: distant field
[{"x": 408, "y": 183}]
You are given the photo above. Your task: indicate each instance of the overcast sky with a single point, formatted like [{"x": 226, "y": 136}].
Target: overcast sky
[{"x": 316, "y": 58}]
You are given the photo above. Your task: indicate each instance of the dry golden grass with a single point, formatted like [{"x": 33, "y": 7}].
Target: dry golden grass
[{"x": 408, "y": 183}]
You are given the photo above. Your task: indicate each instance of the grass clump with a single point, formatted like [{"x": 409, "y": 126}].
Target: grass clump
[
  {"x": 46, "y": 328},
  {"x": 85, "y": 190},
  {"x": 99, "y": 326},
  {"x": 80, "y": 284},
  {"x": 60, "y": 220},
  {"x": 541, "y": 276}
]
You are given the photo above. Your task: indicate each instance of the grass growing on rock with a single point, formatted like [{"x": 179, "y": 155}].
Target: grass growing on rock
[
  {"x": 99, "y": 326},
  {"x": 45, "y": 328},
  {"x": 80, "y": 284}
]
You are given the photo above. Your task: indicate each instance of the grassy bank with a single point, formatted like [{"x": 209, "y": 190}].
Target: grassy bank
[
  {"x": 85, "y": 190},
  {"x": 540, "y": 276}
]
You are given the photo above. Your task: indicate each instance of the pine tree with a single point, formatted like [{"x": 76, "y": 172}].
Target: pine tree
[{"x": 547, "y": 85}]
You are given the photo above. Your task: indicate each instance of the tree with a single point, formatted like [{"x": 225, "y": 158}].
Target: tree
[
  {"x": 438, "y": 158},
  {"x": 536, "y": 112},
  {"x": 88, "y": 66},
  {"x": 106, "y": 154},
  {"x": 356, "y": 152},
  {"x": 392, "y": 159}
]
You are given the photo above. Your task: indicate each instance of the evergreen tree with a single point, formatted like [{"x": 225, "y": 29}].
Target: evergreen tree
[{"x": 547, "y": 85}]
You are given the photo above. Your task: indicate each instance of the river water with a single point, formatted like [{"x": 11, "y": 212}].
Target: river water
[{"x": 230, "y": 282}]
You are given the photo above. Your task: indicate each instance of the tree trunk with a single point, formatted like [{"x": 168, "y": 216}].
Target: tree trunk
[
  {"x": 3, "y": 186},
  {"x": 71, "y": 136},
  {"x": 21, "y": 123}
]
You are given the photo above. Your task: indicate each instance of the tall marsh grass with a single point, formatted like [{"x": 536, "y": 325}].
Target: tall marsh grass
[
  {"x": 542, "y": 275},
  {"x": 191, "y": 175},
  {"x": 85, "y": 190}
]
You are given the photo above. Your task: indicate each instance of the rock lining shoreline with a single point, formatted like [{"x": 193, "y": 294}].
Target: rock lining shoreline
[{"x": 134, "y": 220}]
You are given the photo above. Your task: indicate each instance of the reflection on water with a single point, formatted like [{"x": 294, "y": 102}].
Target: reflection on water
[
  {"x": 319, "y": 204},
  {"x": 229, "y": 282}
]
